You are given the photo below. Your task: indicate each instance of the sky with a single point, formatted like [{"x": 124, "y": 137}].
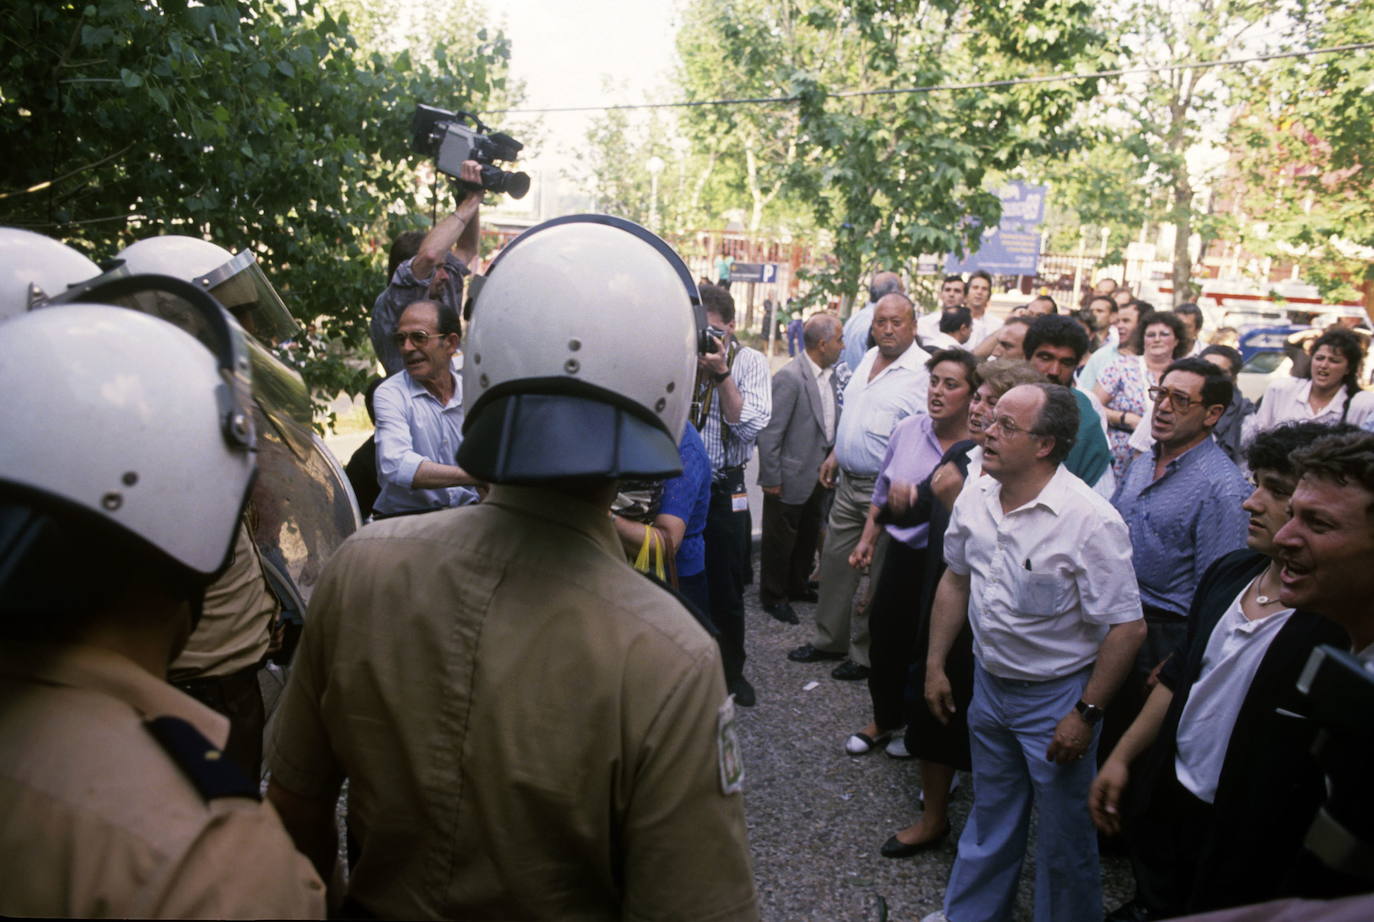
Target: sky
[{"x": 564, "y": 52}]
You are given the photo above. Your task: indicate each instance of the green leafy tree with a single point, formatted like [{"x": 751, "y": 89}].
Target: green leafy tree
[
  {"x": 254, "y": 124},
  {"x": 742, "y": 49},
  {"x": 888, "y": 176},
  {"x": 1304, "y": 142},
  {"x": 1135, "y": 162}
]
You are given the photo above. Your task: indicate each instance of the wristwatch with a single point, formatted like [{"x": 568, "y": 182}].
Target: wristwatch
[
  {"x": 1090, "y": 713},
  {"x": 721, "y": 377}
]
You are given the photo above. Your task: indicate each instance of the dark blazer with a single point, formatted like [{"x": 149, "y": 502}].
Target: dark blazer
[
  {"x": 793, "y": 444},
  {"x": 1270, "y": 786}
]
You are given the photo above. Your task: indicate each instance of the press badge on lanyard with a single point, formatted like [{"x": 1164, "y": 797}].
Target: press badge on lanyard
[
  {"x": 739, "y": 502},
  {"x": 739, "y": 494}
]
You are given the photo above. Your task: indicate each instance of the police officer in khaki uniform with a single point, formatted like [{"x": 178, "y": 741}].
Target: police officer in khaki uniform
[
  {"x": 122, "y": 473},
  {"x": 220, "y": 663},
  {"x": 529, "y": 728}
]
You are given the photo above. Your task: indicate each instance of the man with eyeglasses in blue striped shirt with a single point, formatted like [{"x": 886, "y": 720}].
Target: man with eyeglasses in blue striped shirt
[{"x": 420, "y": 418}]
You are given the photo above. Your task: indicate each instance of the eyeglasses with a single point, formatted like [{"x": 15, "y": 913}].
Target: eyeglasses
[
  {"x": 1007, "y": 425},
  {"x": 1179, "y": 400},
  {"x": 418, "y": 337}
]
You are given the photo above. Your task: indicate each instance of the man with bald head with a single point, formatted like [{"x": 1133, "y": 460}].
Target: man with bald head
[
  {"x": 799, "y": 436},
  {"x": 857, "y": 328},
  {"x": 420, "y": 417},
  {"x": 889, "y": 385}
]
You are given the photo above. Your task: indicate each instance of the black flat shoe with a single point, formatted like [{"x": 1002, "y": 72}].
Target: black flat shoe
[
  {"x": 849, "y": 671},
  {"x": 809, "y": 654},
  {"x": 781, "y": 611},
  {"x": 896, "y": 848},
  {"x": 743, "y": 692},
  {"x": 810, "y": 595}
]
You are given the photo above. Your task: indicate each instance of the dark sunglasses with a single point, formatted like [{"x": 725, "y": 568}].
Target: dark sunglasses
[{"x": 418, "y": 337}]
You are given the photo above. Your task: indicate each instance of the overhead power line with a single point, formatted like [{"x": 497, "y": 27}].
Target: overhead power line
[{"x": 982, "y": 84}]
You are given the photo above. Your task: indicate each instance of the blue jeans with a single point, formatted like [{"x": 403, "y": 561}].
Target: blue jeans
[
  {"x": 794, "y": 336},
  {"x": 1010, "y": 726}
]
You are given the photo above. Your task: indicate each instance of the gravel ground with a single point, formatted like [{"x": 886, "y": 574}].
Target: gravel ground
[{"x": 818, "y": 816}]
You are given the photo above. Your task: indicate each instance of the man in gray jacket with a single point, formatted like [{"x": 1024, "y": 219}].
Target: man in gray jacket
[{"x": 806, "y": 407}]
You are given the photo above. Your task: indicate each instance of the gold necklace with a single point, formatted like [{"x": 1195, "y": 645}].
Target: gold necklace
[{"x": 1260, "y": 597}]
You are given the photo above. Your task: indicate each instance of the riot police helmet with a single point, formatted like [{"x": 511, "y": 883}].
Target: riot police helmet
[
  {"x": 34, "y": 268},
  {"x": 119, "y": 424},
  {"x": 581, "y": 356}
]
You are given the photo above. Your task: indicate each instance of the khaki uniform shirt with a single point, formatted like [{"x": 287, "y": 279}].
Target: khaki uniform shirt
[
  {"x": 99, "y": 820},
  {"x": 530, "y": 729},
  {"x": 235, "y": 626}
]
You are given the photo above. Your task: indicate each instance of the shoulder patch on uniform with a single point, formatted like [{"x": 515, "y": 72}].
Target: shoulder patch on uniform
[
  {"x": 202, "y": 762},
  {"x": 728, "y": 754}
]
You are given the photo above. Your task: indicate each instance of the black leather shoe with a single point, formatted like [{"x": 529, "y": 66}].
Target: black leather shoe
[
  {"x": 1134, "y": 911},
  {"x": 809, "y": 654},
  {"x": 896, "y": 848},
  {"x": 743, "y": 692},
  {"x": 849, "y": 671},
  {"x": 807, "y": 595},
  {"x": 783, "y": 612}
]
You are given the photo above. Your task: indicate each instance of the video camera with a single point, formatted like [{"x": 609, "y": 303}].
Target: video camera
[
  {"x": 444, "y": 136},
  {"x": 1338, "y": 688}
]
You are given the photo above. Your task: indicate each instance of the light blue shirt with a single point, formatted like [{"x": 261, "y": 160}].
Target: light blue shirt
[
  {"x": 1183, "y": 522},
  {"x": 1095, "y": 365},
  {"x": 872, "y": 409},
  {"x": 413, "y": 427},
  {"x": 856, "y": 335}
]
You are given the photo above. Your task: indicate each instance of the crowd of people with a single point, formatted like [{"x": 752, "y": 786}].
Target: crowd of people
[
  {"x": 1067, "y": 574},
  {"x": 1096, "y": 576}
]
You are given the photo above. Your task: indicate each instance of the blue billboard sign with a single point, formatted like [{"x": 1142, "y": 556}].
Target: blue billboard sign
[{"x": 1013, "y": 246}]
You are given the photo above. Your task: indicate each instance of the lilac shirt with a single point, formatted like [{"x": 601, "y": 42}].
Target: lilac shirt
[{"x": 912, "y": 453}]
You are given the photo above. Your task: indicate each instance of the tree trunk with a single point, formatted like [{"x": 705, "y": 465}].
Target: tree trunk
[
  {"x": 1183, "y": 231},
  {"x": 751, "y": 172}
]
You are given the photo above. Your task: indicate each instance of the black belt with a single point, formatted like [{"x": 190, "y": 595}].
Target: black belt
[
  {"x": 728, "y": 482},
  {"x": 727, "y": 474},
  {"x": 1155, "y": 613}
]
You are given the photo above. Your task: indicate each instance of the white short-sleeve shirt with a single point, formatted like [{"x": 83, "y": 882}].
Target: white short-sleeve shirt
[
  {"x": 1290, "y": 399},
  {"x": 872, "y": 409},
  {"x": 1047, "y": 580}
]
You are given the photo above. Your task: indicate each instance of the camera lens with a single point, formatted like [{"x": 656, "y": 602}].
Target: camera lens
[{"x": 516, "y": 184}]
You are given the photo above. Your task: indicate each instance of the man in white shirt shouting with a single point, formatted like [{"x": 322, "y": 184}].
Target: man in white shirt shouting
[{"x": 1040, "y": 565}]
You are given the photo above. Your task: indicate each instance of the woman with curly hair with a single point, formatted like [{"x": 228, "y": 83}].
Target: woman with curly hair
[{"x": 1329, "y": 393}]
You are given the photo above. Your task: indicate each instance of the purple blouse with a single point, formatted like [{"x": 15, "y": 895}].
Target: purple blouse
[{"x": 912, "y": 453}]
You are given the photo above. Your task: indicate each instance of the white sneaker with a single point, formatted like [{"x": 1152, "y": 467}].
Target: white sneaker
[
  {"x": 861, "y": 744},
  {"x": 937, "y": 916},
  {"x": 896, "y": 748}
]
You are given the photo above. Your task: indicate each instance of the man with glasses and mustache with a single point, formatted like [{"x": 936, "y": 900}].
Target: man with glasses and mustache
[
  {"x": 1182, "y": 502},
  {"x": 420, "y": 418}
]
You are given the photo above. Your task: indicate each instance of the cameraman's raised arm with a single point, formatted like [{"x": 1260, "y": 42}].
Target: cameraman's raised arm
[
  {"x": 459, "y": 230},
  {"x": 433, "y": 272}
]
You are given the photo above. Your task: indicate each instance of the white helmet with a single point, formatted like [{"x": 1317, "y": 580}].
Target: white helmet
[
  {"x": 34, "y": 268},
  {"x": 122, "y": 417},
  {"x": 237, "y": 282},
  {"x": 581, "y": 356},
  {"x": 180, "y": 257}
]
